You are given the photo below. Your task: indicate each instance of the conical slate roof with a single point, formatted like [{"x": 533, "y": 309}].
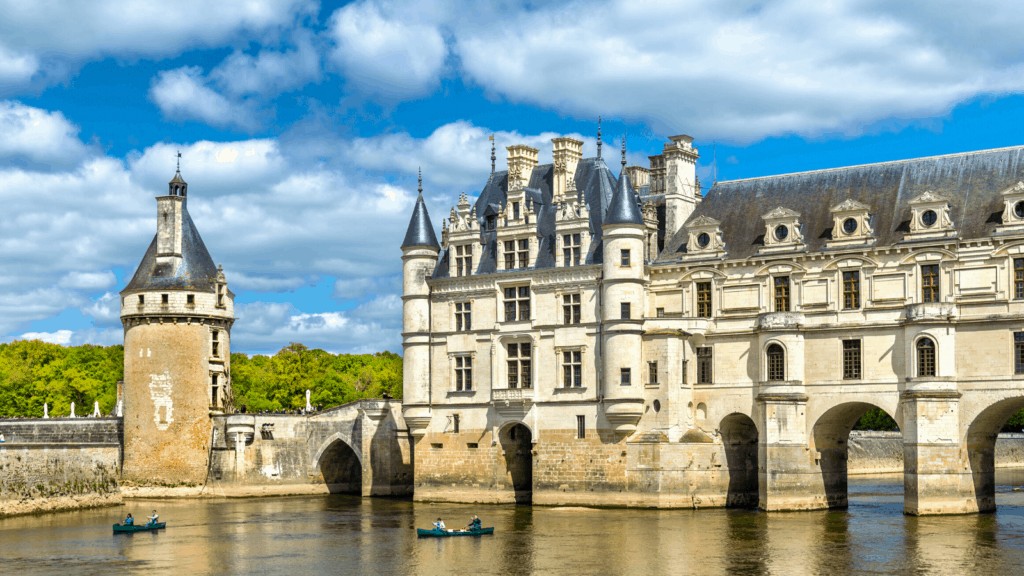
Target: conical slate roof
[
  {"x": 420, "y": 232},
  {"x": 623, "y": 209},
  {"x": 194, "y": 271}
]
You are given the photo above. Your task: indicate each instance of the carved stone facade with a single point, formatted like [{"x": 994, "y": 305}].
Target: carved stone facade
[{"x": 724, "y": 359}]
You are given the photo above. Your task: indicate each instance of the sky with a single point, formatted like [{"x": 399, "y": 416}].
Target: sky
[{"x": 302, "y": 126}]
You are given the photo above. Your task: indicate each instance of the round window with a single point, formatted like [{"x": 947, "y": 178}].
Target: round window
[
  {"x": 1018, "y": 209},
  {"x": 849, "y": 225},
  {"x": 703, "y": 239},
  {"x": 781, "y": 232},
  {"x": 929, "y": 218},
  {"x": 657, "y": 405}
]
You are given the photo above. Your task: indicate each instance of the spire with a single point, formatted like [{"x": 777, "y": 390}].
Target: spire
[
  {"x": 419, "y": 180},
  {"x": 177, "y": 186},
  {"x": 623, "y": 153},
  {"x": 420, "y": 232},
  {"x": 599, "y": 137},
  {"x": 623, "y": 208},
  {"x": 491, "y": 138}
]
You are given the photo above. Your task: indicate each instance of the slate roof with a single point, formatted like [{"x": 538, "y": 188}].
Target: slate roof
[
  {"x": 971, "y": 182},
  {"x": 624, "y": 208},
  {"x": 594, "y": 183},
  {"x": 420, "y": 231},
  {"x": 196, "y": 272}
]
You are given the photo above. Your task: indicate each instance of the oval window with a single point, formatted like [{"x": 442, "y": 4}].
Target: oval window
[
  {"x": 781, "y": 232},
  {"x": 1018, "y": 209},
  {"x": 929, "y": 218},
  {"x": 849, "y": 225},
  {"x": 703, "y": 240}
]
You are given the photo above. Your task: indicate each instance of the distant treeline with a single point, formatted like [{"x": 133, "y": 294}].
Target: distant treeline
[{"x": 33, "y": 373}]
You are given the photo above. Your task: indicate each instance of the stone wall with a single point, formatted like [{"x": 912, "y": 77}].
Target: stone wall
[
  {"x": 55, "y": 464},
  {"x": 882, "y": 452}
]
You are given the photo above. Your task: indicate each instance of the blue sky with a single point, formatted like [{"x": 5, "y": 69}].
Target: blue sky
[{"x": 302, "y": 125}]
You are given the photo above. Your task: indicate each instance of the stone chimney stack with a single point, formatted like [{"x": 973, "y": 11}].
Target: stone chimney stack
[
  {"x": 680, "y": 174},
  {"x": 638, "y": 177},
  {"x": 521, "y": 161},
  {"x": 567, "y": 153}
]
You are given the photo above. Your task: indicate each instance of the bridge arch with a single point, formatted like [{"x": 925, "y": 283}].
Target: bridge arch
[
  {"x": 830, "y": 437},
  {"x": 516, "y": 439},
  {"x": 740, "y": 442},
  {"x": 340, "y": 461},
  {"x": 981, "y": 448}
]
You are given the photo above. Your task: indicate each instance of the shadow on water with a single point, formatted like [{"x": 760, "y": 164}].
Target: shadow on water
[{"x": 746, "y": 534}]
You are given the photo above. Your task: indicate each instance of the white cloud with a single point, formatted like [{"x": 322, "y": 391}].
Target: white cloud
[
  {"x": 264, "y": 327},
  {"x": 211, "y": 168},
  {"x": 62, "y": 337},
  {"x": 16, "y": 68},
  {"x": 386, "y": 55},
  {"x": 105, "y": 310},
  {"x": 87, "y": 280},
  {"x": 182, "y": 94},
  {"x": 269, "y": 72},
  {"x": 34, "y": 137}
]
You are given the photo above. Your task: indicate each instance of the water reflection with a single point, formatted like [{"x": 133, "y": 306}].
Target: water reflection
[{"x": 350, "y": 535}]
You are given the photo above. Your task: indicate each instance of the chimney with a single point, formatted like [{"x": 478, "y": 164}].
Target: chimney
[
  {"x": 567, "y": 153},
  {"x": 680, "y": 181},
  {"x": 638, "y": 177},
  {"x": 521, "y": 161}
]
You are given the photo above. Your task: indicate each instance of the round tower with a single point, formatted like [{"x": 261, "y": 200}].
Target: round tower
[
  {"x": 177, "y": 314},
  {"x": 622, "y": 306},
  {"x": 419, "y": 256}
]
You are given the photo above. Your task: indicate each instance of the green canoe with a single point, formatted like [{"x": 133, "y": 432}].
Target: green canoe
[
  {"x": 131, "y": 528},
  {"x": 435, "y": 533}
]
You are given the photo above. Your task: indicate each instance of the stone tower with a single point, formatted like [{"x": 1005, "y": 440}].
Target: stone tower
[
  {"x": 177, "y": 313},
  {"x": 419, "y": 253},
  {"x": 622, "y": 308}
]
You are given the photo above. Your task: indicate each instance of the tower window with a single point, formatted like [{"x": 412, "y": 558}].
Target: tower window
[
  {"x": 776, "y": 363},
  {"x": 571, "y": 249},
  {"x": 704, "y": 365},
  {"x": 572, "y": 368},
  {"x": 624, "y": 310},
  {"x": 625, "y": 377},
  {"x": 215, "y": 343},
  {"x": 704, "y": 299},
  {"x": 1018, "y": 352},
  {"x": 165, "y": 298},
  {"x": 782, "y": 293},
  {"x": 581, "y": 426},
  {"x": 624, "y": 257},
  {"x": 851, "y": 289},
  {"x": 220, "y": 295},
  {"x": 214, "y": 390},
  {"x": 142, "y": 299},
  {"x": 652, "y": 373},
  {"x": 930, "y": 283},
  {"x": 925, "y": 357},
  {"x": 851, "y": 360}
]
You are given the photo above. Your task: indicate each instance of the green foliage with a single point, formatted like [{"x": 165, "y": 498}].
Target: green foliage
[
  {"x": 279, "y": 382},
  {"x": 33, "y": 373},
  {"x": 876, "y": 419},
  {"x": 1015, "y": 423}
]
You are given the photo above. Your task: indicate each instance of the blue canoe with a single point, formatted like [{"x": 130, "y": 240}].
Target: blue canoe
[
  {"x": 131, "y": 528},
  {"x": 435, "y": 533}
]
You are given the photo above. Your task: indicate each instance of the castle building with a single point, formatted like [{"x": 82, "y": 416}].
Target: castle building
[
  {"x": 177, "y": 314},
  {"x": 582, "y": 337}
]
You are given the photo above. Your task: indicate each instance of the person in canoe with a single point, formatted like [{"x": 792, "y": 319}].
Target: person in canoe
[
  {"x": 129, "y": 521},
  {"x": 474, "y": 523},
  {"x": 154, "y": 518},
  {"x": 439, "y": 525}
]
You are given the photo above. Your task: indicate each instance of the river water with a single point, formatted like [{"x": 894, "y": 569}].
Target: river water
[{"x": 349, "y": 535}]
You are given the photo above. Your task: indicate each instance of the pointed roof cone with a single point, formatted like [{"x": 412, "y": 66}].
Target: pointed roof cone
[
  {"x": 623, "y": 208},
  {"x": 420, "y": 232}
]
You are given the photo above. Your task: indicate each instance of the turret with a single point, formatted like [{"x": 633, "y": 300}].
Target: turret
[
  {"x": 177, "y": 314},
  {"x": 679, "y": 170},
  {"x": 419, "y": 256},
  {"x": 622, "y": 306}
]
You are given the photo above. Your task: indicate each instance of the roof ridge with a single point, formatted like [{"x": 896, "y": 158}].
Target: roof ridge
[{"x": 883, "y": 163}]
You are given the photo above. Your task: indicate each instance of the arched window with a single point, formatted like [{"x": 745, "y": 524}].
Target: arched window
[
  {"x": 776, "y": 363},
  {"x": 926, "y": 357}
]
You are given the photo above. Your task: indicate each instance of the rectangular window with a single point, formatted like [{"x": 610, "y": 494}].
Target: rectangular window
[
  {"x": 463, "y": 260},
  {"x": 220, "y": 295},
  {"x": 164, "y": 298},
  {"x": 215, "y": 343},
  {"x": 463, "y": 316},
  {"x": 624, "y": 311},
  {"x": 581, "y": 426},
  {"x": 572, "y": 368},
  {"x": 704, "y": 364},
  {"x": 1018, "y": 352},
  {"x": 851, "y": 289},
  {"x": 625, "y": 377},
  {"x": 930, "y": 283},
  {"x": 510, "y": 254},
  {"x": 704, "y": 299},
  {"x": 1018, "y": 278},
  {"x": 781, "y": 293},
  {"x": 463, "y": 373},
  {"x": 517, "y": 303},
  {"x": 523, "y": 253},
  {"x": 214, "y": 390},
  {"x": 515, "y": 210},
  {"x": 624, "y": 257},
  {"x": 142, "y": 299},
  {"x": 190, "y": 299},
  {"x": 519, "y": 357},
  {"x": 571, "y": 308},
  {"x": 659, "y": 312},
  {"x": 652, "y": 373},
  {"x": 851, "y": 360},
  {"x": 455, "y": 423},
  {"x": 571, "y": 249}
]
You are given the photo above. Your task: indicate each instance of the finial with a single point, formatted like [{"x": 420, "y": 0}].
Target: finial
[
  {"x": 179, "y": 162},
  {"x": 419, "y": 180},
  {"x": 598, "y": 137},
  {"x": 623, "y": 151},
  {"x": 491, "y": 138}
]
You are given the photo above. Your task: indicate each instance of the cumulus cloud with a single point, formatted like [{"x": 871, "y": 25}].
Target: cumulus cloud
[
  {"x": 62, "y": 337},
  {"x": 31, "y": 137},
  {"x": 385, "y": 54},
  {"x": 182, "y": 94},
  {"x": 263, "y": 327},
  {"x": 269, "y": 72},
  {"x": 16, "y": 68},
  {"x": 105, "y": 310}
]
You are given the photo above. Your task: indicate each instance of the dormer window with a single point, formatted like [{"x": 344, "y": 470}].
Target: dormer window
[
  {"x": 782, "y": 231},
  {"x": 515, "y": 210},
  {"x": 930, "y": 217},
  {"x": 705, "y": 237},
  {"x": 1013, "y": 208},
  {"x": 851, "y": 224}
]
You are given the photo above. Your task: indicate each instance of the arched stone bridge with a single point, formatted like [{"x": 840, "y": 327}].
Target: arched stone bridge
[{"x": 359, "y": 448}]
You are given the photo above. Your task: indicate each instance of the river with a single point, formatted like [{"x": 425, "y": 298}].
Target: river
[{"x": 350, "y": 535}]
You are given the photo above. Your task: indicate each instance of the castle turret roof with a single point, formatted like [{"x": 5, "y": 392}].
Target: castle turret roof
[
  {"x": 195, "y": 269},
  {"x": 420, "y": 232},
  {"x": 623, "y": 208}
]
